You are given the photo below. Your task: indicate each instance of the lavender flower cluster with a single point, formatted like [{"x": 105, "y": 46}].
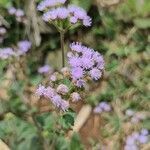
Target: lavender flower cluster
[
  {"x": 135, "y": 117},
  {"x": 102, "y": 107},
  {"x": 55, "y": 95},
  {"x": 2, "y": 33},
  {"x": 22, "y": 48},
  {"x": 84, "y": 62},
  {"x": 135, "y": 139},
  {"x": 72, "y": 13},
  {"x": 49, "y": 3},
  {"x": 18, "y": 13}
]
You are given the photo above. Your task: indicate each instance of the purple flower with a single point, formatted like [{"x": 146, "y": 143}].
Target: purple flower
[
  {"x": 49, "y": 92},
  {"x": 75, "y": 61},
  {"x": 103, "y": 106},
  {"x": 143, "y": 139},
  {"x": 75, "y": 97},
  {"x": 131, "y": 147},
  {"x": 45, "y": 69},
  {"x": 24, "y": 46},
  {"x": 97, "y": 110},
  {"x": 57, "y": 13},
  {"x": 40, "y": 90},
  {"x": 144, "y": 132},
  {"x": 53, "y": 78},
  {"x": 19, "y": 13},
  {"x": 2, "y": 31},
  {"x": 6, "y": 53},
  {"x": 60, "y": 103},
  {"x": 80, "y": 83},
  {"x": 76, "y": 46},
  {"x": 80, "y": 14},
  {"x": 49, "y": 3},
  {"x": 11, "y": 10},
  {"x": 73, "y": 20},
  {"x": 95, "y": 74},
  {"x": 62, "y": 89},
  {"x": 85, "y": 61},
  {"x": 77, "y": 73},
  {"x": 64, "y": 105}
]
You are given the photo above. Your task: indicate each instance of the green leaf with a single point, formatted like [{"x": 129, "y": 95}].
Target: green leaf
[
  {"x": 142, "y": 23},
  {"x": 75, "y": 143},
  {"x": 82, "y": 3}
]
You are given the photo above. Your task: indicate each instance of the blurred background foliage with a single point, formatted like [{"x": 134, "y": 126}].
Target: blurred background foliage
[{"x": 120, "y": 31}]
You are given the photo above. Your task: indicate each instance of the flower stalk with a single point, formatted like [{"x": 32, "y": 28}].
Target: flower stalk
[{"x": 62, "y": 33}]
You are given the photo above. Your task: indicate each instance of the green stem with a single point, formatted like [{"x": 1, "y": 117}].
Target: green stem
[{"x": 62, "y": 47}]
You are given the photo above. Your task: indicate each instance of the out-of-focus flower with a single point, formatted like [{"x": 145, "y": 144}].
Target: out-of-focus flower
[
  {"x": 19, "y": 13},
  {"x": 65, "y": 71},
  {"x": 78, "y": 13},
  {"x": 2, "y": 30},
  {"x": 49, "y": 3},
  {"x": 129, "y": 112},
  {"x": 62, "y": 89},
  {"x": 11, "y": 10},
  {"x": 75, "y": 97},
  {"x": 45, "y": 69},
  {"x": 102, "y": 106},
  {"x": 135, "y": 139},
  {"x": 24, "y": 46},
  {"x": 6, "y": 53},
  {"x": 53, "y": 78}
]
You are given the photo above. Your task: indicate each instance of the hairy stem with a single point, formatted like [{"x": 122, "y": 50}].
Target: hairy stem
[{"x": 62, "y": 47}]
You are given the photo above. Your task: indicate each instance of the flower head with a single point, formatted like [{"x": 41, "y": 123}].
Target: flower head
[
  {"x": 75, "y": 97},
  {"x": 77, "y": 73},
  {"x": 24, "y": 46},
  {"x": 49, "y": 3},
  {"x": 85, "y": 62},
  {"x": 40, "y": 90},
  {"x": 6, "y": 53},
  {"x": 62, "y": 89},
  {"x": 45, "y": 69},
  {"x": 95, "y": 73}
]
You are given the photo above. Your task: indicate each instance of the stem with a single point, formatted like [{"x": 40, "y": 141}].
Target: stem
[{"x": 62, "y": 47}]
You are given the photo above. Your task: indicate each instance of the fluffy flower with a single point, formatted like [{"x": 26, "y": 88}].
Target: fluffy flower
[
  {"x": 56, "y": 13},
  {"x": 75, "y": 97},
  {"x": 75, "y": 61},
  {"x": 62, "y": 89},
  {"x": 60, "y": 103},
  {"x": 77, "y": 73},
  {"x": 11, "y": 10},
  {"x": 6, "y": 53},
  {"x": 49, "y": 3},
  {"x": 80, "y": 83},
  {"x": 2, "y": 31},
  {"x": 49, "y": 92},
  {"x": 84, "y": 62},
  {"x": 103, "y": 106},
  {"x": 76, "y": 46},
  {"x": 95, "y": 74},
  {"x": 80, "y": 14},
  {"x": 53, "y": 78},
  {"x": 40, "y": 90},
  {"x": 45, "y": 69},
  {"x": 24, "y": 46},
  {"x": 19, "y": 13}
]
